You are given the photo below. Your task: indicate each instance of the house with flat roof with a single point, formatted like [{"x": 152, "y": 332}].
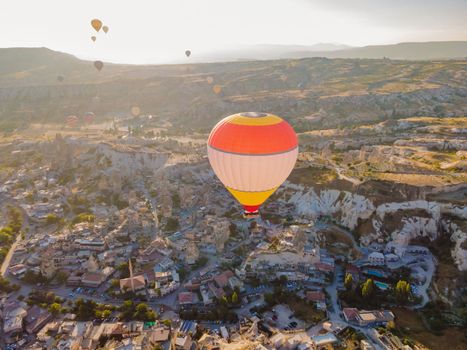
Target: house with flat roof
[{"x": 365, "y": 318}]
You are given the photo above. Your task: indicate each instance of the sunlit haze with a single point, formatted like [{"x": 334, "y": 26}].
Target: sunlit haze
[{"x": 161, "y": 31}]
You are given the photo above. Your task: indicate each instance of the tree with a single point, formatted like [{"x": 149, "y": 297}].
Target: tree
[
  {"x": 402, "y": 291},
  {"x": 234, "y": 298},
  {"x": 106, "y": 314},
  {"x": 115, "y": 283},
  {"x": 172, "y": 224},
  {"x": 367, "y": 288},
  {"x": 348, "y": 281},
  {"x": 51, "y": 219},
  {"x": 62, "y": 276},
  {"x": 54, "y": 309}
]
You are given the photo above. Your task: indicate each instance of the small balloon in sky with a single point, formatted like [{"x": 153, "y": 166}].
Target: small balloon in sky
[
  {"x": 71, "y": 120},
  {"x": 98, "y": 65},
  {"x": 105, "y": 29},
  {"x": 96, "y": 24},
  {"x": 217, "y": 89},
  {"x": 88, "y": 117},
  {"x": 188, "y": 53},
  {"x": 210, "y": 80},
  {"x": 93, "y": 38},
  {"x": 60, "y": 78},
  {"x": 135, "y": 111}
]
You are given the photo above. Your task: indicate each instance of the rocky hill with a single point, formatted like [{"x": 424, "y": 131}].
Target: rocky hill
[{"x": 312, "y": 93}]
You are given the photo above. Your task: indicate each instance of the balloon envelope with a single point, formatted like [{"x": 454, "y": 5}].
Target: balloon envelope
[
  {"x": 98, "y": 65},
  {"x": 187, "y": 53},
  {"x": 252, "y": 154},
  {"x": 96, "y": 24},
  {"x": 105, "y": 29},
  {"x": 93, "y": 38},
  {"x": 88, "y": 117},
  {"x": 135, "y": 111},
  {"x": 60, "y": 78},
  {"x": 217, "y": 89},
  {"x": 71, "y": 120}
]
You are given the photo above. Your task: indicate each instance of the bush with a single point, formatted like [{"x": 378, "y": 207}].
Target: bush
[{"x": 172, "y": 224}]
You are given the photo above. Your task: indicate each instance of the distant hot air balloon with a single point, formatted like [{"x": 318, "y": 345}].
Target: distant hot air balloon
[
  {"x": 135, "y": 111},
  {"x": 98, "y": 65},
  {"x": 187, "y": 53},
  {"x": 88, "y": 117},
  {"x": 105, "y": 29},
  {"x": 96, "y": 24},
  {"x": 93, "y": 38},
  {"x": 217, "y": 89},
  {"x": 210, "y": 80},
  {"x": 60, "y": 78},
  {"x": 71, "y": 120},
  {"x": 252, "y": 154}
]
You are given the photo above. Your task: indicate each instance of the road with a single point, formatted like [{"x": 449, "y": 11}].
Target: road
[{"x": 6, "y": 262}]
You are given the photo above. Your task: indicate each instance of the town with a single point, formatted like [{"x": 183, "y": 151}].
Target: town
[{"x": 132, "y": 243}]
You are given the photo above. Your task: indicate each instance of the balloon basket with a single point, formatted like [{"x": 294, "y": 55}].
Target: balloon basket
[{"x": 250, "y": 214}]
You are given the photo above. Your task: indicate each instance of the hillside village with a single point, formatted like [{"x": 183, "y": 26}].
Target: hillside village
[{"x": 132, "y": 243}]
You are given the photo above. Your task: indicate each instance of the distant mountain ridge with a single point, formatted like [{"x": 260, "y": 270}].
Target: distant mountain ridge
[{"x": 433, "y": 50}]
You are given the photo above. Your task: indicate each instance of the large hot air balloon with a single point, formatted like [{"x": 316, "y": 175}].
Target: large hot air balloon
[
  {"x": 252, "y": 154},
  {"x": 98, "y": 65},
  {"x": 96, "y": 24},
  {"x": 187, "y": 53}
]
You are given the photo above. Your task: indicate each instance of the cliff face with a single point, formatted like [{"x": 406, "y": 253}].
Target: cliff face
[
  {"x": 127, "y": 161},
  {"x": 348, "y": 207},
  {"x": 400, "y": 222}
]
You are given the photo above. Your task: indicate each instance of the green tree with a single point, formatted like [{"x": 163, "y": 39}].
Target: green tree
[
  {"x": 54, "y": 309},
  {"x": 367, "y": 288},
  {"x": 348, "y": 281},
  {"x": 172, "y": 224},
  {"x": 62, "y": 276},
  {"x": 402, "y": 291},
  {"x": 106, "y": 314},
  {"x": 234, "y": 298}
]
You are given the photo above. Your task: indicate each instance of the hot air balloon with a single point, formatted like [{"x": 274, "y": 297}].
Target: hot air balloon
[
  {"x": 60, "y": 78},
  {"x": 135, "y": 111},
  {"x": 98, "y": 65},
  {"x": 88, "y": 117},
  {"x": 71, "y": 120},
  {"x": 210, "y": 80},
  {"x": 105, "y": 29},
  {"x": 96, "y": 24},
  {"x": 252, "y": 154},
  {"x": 217, "y": 89},
  {"x": 187, "y": 53},
  {"x": 93, "y": 38}
]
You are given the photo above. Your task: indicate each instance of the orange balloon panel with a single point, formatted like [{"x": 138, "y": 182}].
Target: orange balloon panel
[{"x": 252, "y": 154}]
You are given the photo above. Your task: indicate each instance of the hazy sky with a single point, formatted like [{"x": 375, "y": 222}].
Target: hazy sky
[{"x": 151, "y": 31}]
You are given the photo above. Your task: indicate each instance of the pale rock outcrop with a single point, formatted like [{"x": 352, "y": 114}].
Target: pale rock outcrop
[
  {"x": 431, "y": 227},
  {"x": 348, "y": 206}
]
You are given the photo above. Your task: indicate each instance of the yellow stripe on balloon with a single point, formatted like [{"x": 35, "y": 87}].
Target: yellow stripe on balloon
[
  {"x": 269, "y": 119},
  {"x": 251, "y": 198}
]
